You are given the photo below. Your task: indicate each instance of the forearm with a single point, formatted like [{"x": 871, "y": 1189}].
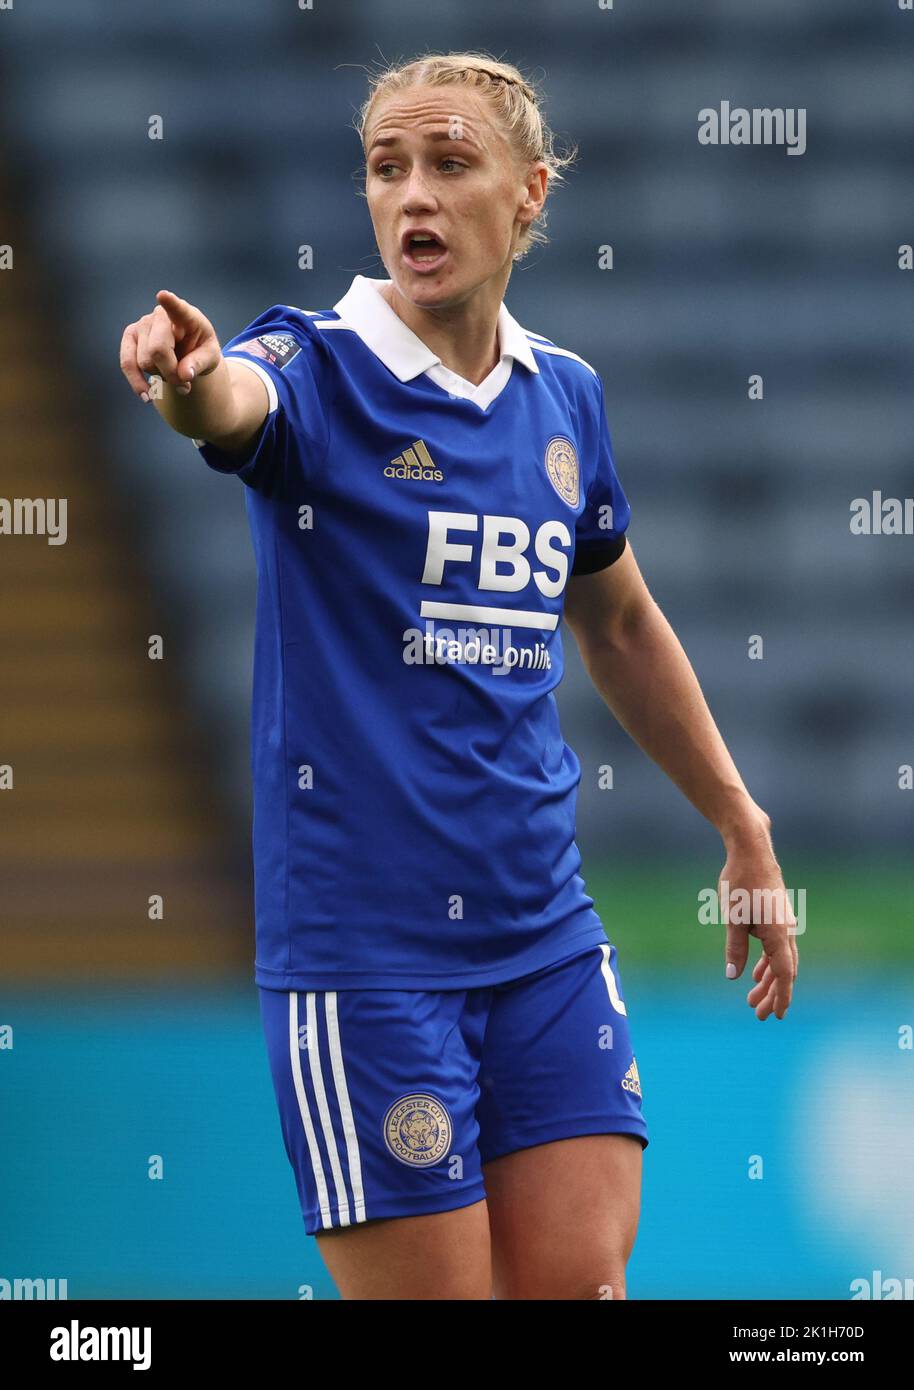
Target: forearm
[
  {"x": 209, "y": 412},
  {"x": 647, "y": 681}
]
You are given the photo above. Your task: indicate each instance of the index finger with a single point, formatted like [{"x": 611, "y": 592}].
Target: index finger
[{"x": 178, "y": 309}]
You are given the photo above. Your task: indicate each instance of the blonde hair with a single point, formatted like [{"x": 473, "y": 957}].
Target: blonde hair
[{"x": 517, "y": 105}]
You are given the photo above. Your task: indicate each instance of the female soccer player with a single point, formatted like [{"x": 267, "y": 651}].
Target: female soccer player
[{"x": 430, "y": 489}]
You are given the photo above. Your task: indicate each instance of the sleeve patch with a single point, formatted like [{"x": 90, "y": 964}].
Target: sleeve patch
[{"x": 279, "y": 349}]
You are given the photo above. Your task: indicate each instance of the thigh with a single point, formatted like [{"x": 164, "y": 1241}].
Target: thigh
[
  {"x": 445, "y": 1255},
  {"x": 563, "y": 1217},
  {"x": 562, "y": 1130},
  {"x": 377, "y": 1093}
]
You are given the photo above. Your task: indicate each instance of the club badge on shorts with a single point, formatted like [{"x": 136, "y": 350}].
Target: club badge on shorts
[
  {"x": 562, "y": 467},
  {"x": 418, "y": 1130}
]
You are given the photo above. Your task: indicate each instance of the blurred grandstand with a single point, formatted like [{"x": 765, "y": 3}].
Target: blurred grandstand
[{"x": 132, "y": 776}]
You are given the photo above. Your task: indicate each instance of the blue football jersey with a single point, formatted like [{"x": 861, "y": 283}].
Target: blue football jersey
[{"x": 414, "y": 799}]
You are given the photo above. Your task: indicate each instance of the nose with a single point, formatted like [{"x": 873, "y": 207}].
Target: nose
[{"x": 416, "y": 193}]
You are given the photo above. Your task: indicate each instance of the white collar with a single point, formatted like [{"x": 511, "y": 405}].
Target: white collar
[{"x": 364, "y": 309}]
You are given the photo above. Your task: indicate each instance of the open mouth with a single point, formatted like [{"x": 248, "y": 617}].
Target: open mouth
[{"x": 423, "y": 248}]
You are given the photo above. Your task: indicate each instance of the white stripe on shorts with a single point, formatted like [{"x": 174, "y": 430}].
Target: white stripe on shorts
[
  {"x": 342, "y": 1096},
  {"x": 611, "y": 985},
  {"x": 295, "y": 1055},
  {"x": 320, "y": 1094}
]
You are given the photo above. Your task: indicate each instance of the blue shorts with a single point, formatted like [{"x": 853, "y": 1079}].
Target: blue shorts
[{"x": 391, "y": 1101}]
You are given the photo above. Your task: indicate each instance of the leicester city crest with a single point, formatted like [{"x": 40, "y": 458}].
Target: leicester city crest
[
  {"x": 562, "y": 467},
  {"x": 417, "y": 1130}
]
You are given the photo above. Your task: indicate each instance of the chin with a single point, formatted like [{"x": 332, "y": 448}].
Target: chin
[{"x": 426, "y": 289}]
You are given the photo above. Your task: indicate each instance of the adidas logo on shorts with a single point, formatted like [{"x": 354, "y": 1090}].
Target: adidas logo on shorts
[{"x": 631, "y": 1081}]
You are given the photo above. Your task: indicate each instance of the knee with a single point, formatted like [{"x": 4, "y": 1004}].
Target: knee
[
  {"x": 612, "y": 1287},
  {"x": 566, "y": 1282}
]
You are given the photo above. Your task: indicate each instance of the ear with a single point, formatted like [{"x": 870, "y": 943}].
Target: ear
[{"x": 536, "y": 181}]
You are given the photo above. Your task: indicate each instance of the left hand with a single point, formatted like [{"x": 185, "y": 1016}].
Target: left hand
[{"x": 751, "y": 865}]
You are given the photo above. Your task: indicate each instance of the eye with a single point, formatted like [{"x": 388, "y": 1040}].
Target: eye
[{"x": 385, "y": 164}]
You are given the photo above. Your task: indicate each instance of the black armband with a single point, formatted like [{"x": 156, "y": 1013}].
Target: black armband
[{"x": 597, "y": 555}]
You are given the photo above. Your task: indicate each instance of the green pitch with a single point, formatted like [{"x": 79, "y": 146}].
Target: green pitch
[{"x": 859, "y": 913}]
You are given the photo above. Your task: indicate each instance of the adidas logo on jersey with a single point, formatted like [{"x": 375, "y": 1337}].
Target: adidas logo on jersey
[
  {"x": 631, "y": 1081},
  {"x": 415, "y": 464}
]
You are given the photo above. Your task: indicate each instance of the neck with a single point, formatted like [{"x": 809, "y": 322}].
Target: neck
[{"x": 464, "y": 335}]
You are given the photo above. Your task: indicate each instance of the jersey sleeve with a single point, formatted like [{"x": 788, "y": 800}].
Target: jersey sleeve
[
  {"x": 278, "y": 348},
  {"x": 600, "y": 529}
]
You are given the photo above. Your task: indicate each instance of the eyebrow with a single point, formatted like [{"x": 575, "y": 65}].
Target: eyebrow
[{"x": 435, "y": 135}]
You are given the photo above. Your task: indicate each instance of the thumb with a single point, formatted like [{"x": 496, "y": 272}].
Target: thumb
[
  {"x": 201, "y": 360},
  {"x": 737, "y": 951}
]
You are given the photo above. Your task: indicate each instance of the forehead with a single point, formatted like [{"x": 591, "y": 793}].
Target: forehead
[{"x": 429, "y": 113}]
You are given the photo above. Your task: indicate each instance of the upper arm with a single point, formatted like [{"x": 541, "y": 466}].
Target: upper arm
[
  {"x": 605, "y": 584},
  {"x": 600, "y": 606}
]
